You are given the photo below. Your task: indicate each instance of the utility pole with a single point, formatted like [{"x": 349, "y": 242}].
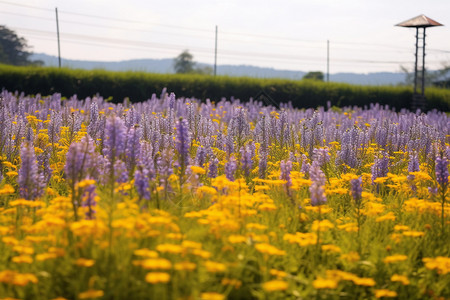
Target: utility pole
[
  {"x": 215, "y": 56},
  {"x": 328, "y": 60},
  {"x": 57, "y": 35}
]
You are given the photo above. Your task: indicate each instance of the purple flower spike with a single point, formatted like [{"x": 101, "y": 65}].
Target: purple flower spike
[
  {"x": 213, "y": 165},
  {"x": 356, "y": 189},
  {"x": 31, "y": 183},
  {"x": 230, "y": 168},
  {"x": 183, "y": 142},
  {"x": 79, "y": 159},
  {"x": 88, "y": 200},
  {"x": 115, "y": 138},
  {"x": 317, "y": 189},
  {"x": 286, "y": 168},
  {"x": 442, "y": 171},
  {"x": 142, "y": 183}
]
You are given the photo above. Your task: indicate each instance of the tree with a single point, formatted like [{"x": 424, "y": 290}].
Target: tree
[
  {"x": 184, "y": 63},
  {"x": 316, "y": 75},
  {"x": 13, "y": 49}
]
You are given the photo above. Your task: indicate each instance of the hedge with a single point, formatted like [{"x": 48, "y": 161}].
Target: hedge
[{"x": 139, "y": 86}]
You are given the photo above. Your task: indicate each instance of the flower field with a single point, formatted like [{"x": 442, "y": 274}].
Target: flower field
[{"x": 178, "y": 199}]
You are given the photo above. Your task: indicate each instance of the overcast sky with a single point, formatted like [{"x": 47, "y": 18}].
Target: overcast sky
[{"x": 283, "y": 34}]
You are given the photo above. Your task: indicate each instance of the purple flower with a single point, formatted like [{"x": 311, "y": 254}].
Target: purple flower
[
  {"x": 183, "y": 143},
  {"x": 356, "y": 189},
  {"x": 213, "y": 165},
  {"x": 121, "y": 172},
  {"x": 88, "y": 200},
  {"x": 79, "y": 159},
  {"x": 321, "y": 155},
  {"x": 305, "y": 165},
  {"x": 316, "y": 188},
  {"x": 115, "y": 138},
  {"x": 142, "y": 183},
  {"x": 286, "y": 168},
  {"x": 262, "y": 166},
  {"x": 230, "y": 168},
  {"x": 246, "y": 160},
  {"x": 441, "y": 169},
  {"x": 31, "y": 183},
  {"x": 413, "y": 164},
  {"x": 200, "y": 156},
  {"x": 133, "y": 148},
  {"x": 380, "y": 167}
]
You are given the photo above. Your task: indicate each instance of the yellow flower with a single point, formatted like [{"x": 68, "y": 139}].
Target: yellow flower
[
  {"x": 212, "y": 296},
  {"x": 198, "y": 170},
  {"x": 389, "y": 216},
  {"x": 146, "y": 252},
  {"x": 91, "y": 294},
  {"x": 45, "y": 256},
  {"x": 157, "y": 277},
  {"x": 278, "y": 273},
  {"x": 235, "y": 239},
  {"x": 7, "y": 189},
  {"x": 156, "y": 263},
  {"x": 257, "y": 226},
  {"x": 323, "y": 225},
  {"x": 394, "y": 258},
  {"x": 275, "y": 285},
  {"x": 83, "y": 262},
  {"x": 191, "y": 244},
  {"x": 22, "y": 259},
  {"x": 325, "y": 283},
  {"x": 215, "y": 267},
  {"x": 331, "y": 248},
  {"x": 269, "y": 249},
  {"x": 23, "y": 249},
  {"x": 363, "y": 281},
  {"x": 413, "y": 233},
  {"x": 12, "y": 173},
  {"x": 400, "y": 278},
  {"x": 351, "y": 256},
  {"x": 22, "y": 279},
  {"x": 385, "y": 293},
  {"x": 185, "y": 266},
  {"x": 169, "y": 248},
  {"x": 440, "y": 263}
]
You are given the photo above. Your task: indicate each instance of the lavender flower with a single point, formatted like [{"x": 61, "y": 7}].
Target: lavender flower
[
  {"x": 321, "y": 155},
  {"x": 200, "y": 157},
  {"x": 213, "y": 165},
  {"x": 88, "y": 199},
  {"x": 286, "y": 168},
  {"x": 380, "y": 167},
  {"x": 142, "y": 183},
  {"x": 230, "y": 169},
  {"x": 413, "y": 164},
  {"x": 246, "y": 160},
  {"x": 79, "y": 159},
  {"x": 120, "y": 170},
  {"x": 31, "y": 184},
  {"x": 115, "y": 138},
  {"x": 316, "y": 188},
  {"x": 133, "y": 148},
  {"x": 441, "y": 170},
  {"x": 183, "y": 143},
  {"x": 356, "y": 189},
  {"x": 262, "y": 166}
]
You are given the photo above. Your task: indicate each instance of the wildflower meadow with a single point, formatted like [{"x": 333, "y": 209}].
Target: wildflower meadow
[{"x": 175, "y": 198}]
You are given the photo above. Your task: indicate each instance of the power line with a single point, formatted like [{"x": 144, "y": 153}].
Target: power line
[{"x": 318, "y": 42}]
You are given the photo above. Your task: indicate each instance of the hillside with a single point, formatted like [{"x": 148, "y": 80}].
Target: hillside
[{"x": 166, "y": 66}]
